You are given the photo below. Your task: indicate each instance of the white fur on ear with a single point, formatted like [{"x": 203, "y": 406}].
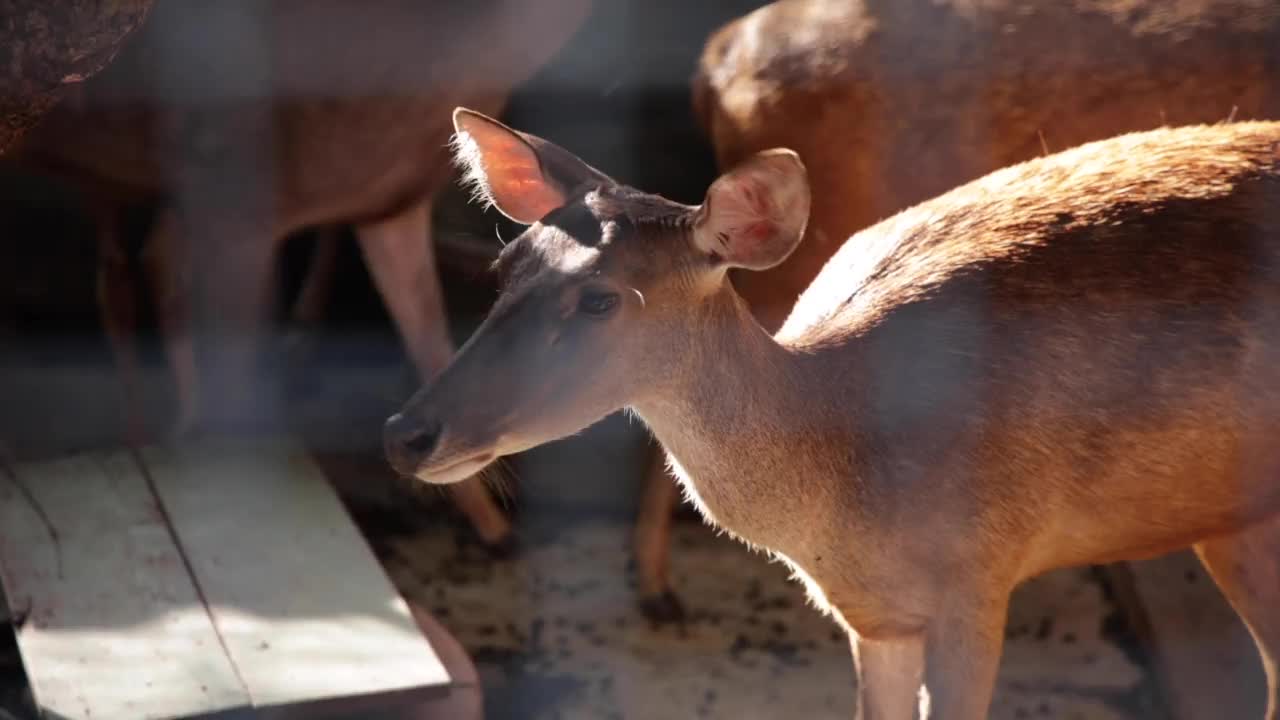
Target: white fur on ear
[
  {"x": 755, "y": 214},
  {"x": 466, "y": 157},
  {"x": 502, "y": 168}
]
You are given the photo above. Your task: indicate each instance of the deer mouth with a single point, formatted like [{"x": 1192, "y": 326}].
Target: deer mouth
[{"x": 453, "y": 470}]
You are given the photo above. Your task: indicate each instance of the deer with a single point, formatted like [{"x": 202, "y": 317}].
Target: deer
[
  {"x": 1067, "y": 361},
  {"x": 326, "y": 113},
  {"x": 891, "y": 103}
]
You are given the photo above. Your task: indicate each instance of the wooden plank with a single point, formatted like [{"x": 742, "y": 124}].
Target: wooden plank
[
  {"x": 115, "y": 626},
  {"x": 466, "y": 698},
  {"x": 1206, "y": 663},
  {"x": 462, "y": 699},
  {"x": 301, "y": 603}
]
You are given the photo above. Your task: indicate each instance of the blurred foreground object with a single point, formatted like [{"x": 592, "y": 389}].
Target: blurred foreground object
[{"x": 47, "y": 46}]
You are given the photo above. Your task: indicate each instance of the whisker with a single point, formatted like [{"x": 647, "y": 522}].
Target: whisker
[
  {"x": 508, "y": 481},
  {"x": 420, "y": 488},
  {"x": 499, "y": 478}
]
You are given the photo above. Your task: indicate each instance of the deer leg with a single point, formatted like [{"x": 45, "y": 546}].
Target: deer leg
[
  {"x": 889, "y": 674},
  {"x": 1246, "y": 567},
  {"x": 235, "y": 261},
  {"x": 961, "y": 658},
  {"x": 169, "y": 275},
  {"x": 308, "y": 308},
  {"x": 652, "y": 541},
  {"x": 401, "y": 259},
  {"x": 227, "y": 224},
  {"x": 118, "y": 308}
]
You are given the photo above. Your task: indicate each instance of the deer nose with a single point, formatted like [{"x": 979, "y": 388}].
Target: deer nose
[{"x": 407, "y": 440}]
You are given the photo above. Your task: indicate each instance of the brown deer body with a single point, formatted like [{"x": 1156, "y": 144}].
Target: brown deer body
[
  {"x": 891, "y": 102},
  {"x": 923, "y": 95},
  {"x": 250, "y": 121},
  {"x": 1068, "y": 361}
]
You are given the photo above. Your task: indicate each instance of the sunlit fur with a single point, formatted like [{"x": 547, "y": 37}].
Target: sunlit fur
[
  {"x": 871, "y": 95},
  {"x": 1070, "y": 361},
  {"x": 466, "y": 156},
  {"x": 891, "y": 103}
]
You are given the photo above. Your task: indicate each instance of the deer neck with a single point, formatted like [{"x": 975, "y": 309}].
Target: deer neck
[{"x": 739, "y": 416}]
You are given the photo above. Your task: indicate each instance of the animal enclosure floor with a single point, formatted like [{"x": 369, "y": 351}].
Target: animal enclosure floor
[{"x": 555, "y": 633}]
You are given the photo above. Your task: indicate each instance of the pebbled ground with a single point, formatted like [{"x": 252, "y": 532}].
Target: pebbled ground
[{"x": 555, "y": 634}]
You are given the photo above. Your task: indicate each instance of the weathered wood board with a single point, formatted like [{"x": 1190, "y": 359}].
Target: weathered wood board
[
  {"x": 303, "y": 607},
  {"x": 115, "y": 627},
  {"x": 262, "y": 597}
]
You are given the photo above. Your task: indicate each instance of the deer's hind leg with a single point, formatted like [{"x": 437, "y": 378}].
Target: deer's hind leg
[
  {"x": 1246, "y": 567},
  {"x": 118, "y": 310},
  {"x": 168, "y": 272},
  {"x": 401, "y": 259}
]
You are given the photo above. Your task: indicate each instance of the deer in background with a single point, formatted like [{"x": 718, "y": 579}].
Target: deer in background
[
  {"x": 245, "y": 122},
  {"x": 1072, "y": 360},
  {"x": 890, "y": 102}
]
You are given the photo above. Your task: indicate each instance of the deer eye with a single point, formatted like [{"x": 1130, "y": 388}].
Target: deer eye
[{"x": 597, "y": 302}]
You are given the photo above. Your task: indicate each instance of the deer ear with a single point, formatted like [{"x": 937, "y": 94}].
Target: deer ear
[
  {"x": 755, "y": 214},
  {"x": 522, "y": 175}
]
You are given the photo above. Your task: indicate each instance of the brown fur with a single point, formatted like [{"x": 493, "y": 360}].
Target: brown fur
[
  {"x": 249, "y": 121},
  {"x": 890, "y": 102},
  {"x": 1072, "y": 360}
]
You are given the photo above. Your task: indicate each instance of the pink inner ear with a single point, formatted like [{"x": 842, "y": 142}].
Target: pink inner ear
[
  {"x": 520, "y": 178},
  {"x": 750, "y": 212},
  {"x": 756, "y": 207},
  {"x": 515, "y": 179},
  {"x": 758, "y": 230},
  {"x": 755, "y": 198}
]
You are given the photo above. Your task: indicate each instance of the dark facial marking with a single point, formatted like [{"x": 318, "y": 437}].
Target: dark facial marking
[{"x": 578, "y": 222}]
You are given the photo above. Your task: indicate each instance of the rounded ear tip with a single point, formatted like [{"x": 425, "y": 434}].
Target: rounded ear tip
[
  {"x": 461, "y": 115},
  {"x": 782, "y": 156}
]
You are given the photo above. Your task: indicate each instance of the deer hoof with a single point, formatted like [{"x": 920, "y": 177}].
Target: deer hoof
[
  {"x": 298, "y": 346},
  {"x": 662, "y": 608},
  {"x": 505, "y": 547}
]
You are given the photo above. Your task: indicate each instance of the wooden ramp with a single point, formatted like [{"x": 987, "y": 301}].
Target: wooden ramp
[{"x": 204, "y": 580}]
